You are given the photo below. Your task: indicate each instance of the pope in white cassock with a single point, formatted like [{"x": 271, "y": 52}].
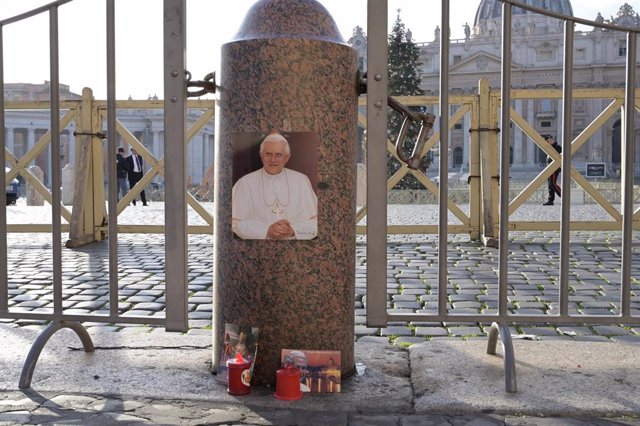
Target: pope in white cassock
[{"x": 274, "y": 202}]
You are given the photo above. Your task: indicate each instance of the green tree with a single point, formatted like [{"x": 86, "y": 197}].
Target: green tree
[{"x": 404, "y": 80}]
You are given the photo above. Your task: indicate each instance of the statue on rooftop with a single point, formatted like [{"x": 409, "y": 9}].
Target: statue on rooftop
[{"x": 599, "y": 18}]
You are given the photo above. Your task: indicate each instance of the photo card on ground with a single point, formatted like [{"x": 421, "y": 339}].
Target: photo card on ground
[{"x": 319, "y": 370}]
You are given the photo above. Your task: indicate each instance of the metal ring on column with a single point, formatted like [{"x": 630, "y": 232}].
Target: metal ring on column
[
  {"x": 501, "y": 330},
  {"x": 42, "y": 339}
]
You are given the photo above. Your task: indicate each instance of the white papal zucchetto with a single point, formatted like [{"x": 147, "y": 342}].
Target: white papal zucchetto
[{"x": 275, "y": 137}]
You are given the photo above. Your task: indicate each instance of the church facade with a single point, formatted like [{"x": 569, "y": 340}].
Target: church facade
[{"x": 537, "y": 63}]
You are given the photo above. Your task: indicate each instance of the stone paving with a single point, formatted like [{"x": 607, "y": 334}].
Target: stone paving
[
  {"x": 55, "y": 409},
  {"x": 411, "y": 287},
  {"x": 411, "y": 277}
]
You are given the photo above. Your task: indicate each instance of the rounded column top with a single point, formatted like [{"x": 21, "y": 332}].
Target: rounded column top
[{"x": 297, "y": 19}]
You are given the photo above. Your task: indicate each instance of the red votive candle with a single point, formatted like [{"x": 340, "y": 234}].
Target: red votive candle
[{"x": 239, "y": 375}]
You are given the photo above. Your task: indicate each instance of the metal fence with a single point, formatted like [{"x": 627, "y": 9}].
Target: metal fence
[
  {"x": 474, "y": 204},
  {"x": 488, "y": 216},
  {"x": 377, "y": 313},
  {"x": 175, "y": 318}
]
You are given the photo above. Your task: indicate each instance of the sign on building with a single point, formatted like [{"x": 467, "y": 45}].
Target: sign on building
[{"x": 596, "y": 170}]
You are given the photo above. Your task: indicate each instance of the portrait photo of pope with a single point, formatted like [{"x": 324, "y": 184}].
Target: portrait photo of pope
[{"x": 275, "y": 183}]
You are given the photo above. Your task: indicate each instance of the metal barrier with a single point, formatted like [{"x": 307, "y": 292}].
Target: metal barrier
[
  {"x": 176, "y": 230},
  {"x": 377, "y": 314},
  {"x": 469, "y": 222},
  {"x": 88, "y": 219},
  {"x": 485, "y": 215},
  {"x": 482, "y": 189}
]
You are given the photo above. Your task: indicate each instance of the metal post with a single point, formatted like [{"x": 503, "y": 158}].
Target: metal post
[
  {"x": 56, "y": 236},
  {"x": 443, "y": 193},
  {"x": 628, "y": 155},
  {"x": 4, "y": 285},
  {"x": 111, "y": 149},
  {"x": 176, "y": 237},
  {"x": 504, "y": 159},
  {"x": 567, "y": 137},
  {"x": 377, "y": 83}
]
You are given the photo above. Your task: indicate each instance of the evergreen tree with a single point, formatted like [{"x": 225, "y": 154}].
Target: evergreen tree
[
  {"x": 404, "y": 80},
  {"x": 404, "y": 62}
]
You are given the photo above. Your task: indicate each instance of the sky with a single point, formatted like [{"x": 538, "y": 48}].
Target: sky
[{"x": 210, "y": 23}]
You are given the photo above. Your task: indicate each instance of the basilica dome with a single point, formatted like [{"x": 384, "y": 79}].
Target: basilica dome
[{"x": 492, "y": 9}]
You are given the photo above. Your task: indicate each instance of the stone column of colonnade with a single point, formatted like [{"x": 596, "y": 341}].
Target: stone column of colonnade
[
  {"x": 289, "y": 70},
  {"x": 559, "y": 124},
  {"x": 31, "y": 141},
  {"x": 531, "y": 146},
  {"x": 466, "y": 139},
  {"x": 157, "y": 146},
  {"x": 31, "y": 138},
  {"x": 71, "y": 147},
  {"x": 10, "y": 139},
  {"x": 517, "y": 137}
]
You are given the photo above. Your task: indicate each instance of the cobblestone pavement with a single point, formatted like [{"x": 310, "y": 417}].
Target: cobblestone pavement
[
  {"x": 411, "y": 287},
  {"x": 411, "y": 277}
]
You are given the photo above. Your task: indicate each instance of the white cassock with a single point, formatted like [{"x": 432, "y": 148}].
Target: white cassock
[{"x": 260, "y": 199}]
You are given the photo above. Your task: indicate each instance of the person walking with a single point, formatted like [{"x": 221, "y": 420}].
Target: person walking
[
  {"x": 552, "y": 182},
  {"x": 134, "y": 164},
  {"x": 121, "y": 173}
]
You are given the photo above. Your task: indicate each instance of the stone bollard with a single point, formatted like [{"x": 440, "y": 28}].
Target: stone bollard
[
  {"x": 68, "y": 182},
  {"x": 288, "y": 70},
  {"x": 34, "y": 198}
]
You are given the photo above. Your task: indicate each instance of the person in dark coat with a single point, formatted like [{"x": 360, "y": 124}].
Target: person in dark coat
[
  {"x": 552, "y": 182},
  {"x": 121, "y": 173},
  {"x": 135, "y": 169}
]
